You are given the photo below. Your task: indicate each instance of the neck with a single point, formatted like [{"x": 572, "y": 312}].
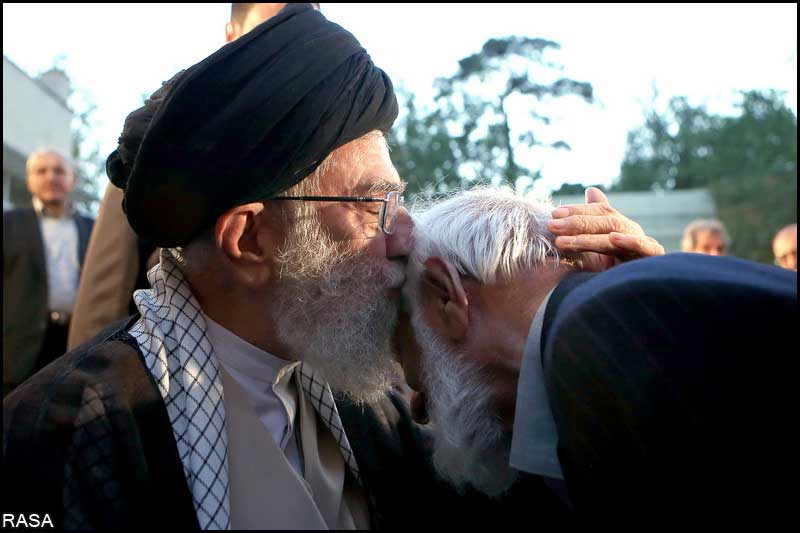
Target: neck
[
  {"x": 510, "y": 308},
  {"x": 243, "y": 314},
  {"x": 51, "y": 209}
]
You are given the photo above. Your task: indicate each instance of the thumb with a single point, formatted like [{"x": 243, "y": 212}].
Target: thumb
[{"x": 595, "y": 196}]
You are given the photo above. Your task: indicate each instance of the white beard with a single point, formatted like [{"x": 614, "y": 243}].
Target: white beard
[
  {"x": 332, "y": 310},
  {"x": 470, "y": 446}
]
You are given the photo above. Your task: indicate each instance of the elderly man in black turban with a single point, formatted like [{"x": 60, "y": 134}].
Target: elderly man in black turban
[{"x": 264, "y": 174}]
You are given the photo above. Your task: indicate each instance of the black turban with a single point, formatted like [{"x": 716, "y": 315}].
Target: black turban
[{"x": 246, "y": 123}]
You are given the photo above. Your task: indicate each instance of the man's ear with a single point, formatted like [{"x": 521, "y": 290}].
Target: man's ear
[
  {"x": 246, "y": 237},
  {"x": 230, "y": 32},
  {"x": 442, "y": 282}
]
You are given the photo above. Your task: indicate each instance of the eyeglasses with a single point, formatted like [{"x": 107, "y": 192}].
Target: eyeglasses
[{"x": 387, "y": 218}]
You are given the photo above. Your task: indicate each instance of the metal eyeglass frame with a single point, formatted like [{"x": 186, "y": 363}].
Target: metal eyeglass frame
[{"x": 382, "y": 216}]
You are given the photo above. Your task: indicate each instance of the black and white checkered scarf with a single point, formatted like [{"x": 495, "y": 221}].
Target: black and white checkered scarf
[{"x": 172, "y": 337}]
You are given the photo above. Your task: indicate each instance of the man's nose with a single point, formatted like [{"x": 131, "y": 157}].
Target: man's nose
[{"x": 399, "y": 243}]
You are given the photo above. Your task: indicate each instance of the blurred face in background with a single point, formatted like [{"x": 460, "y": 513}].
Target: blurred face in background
[
  {"x": 50, "y": 178},
  {"x": 709, "y": 243},
  {"x": 256, "y": 14},
  {"x": 785, "y": 248}
]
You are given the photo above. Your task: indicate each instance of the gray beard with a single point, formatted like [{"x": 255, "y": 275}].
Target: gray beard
[
  {"x": 332, "y": 310},
  {"x": 470, "y": 446}
]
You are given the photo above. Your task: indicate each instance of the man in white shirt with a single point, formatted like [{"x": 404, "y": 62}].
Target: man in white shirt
[{"x": 43, "y": 249}]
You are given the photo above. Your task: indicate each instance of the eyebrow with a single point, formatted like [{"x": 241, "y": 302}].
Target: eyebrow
[{"x": 380, "y": 187}]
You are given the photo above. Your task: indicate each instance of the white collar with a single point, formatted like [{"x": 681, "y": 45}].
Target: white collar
[
  {"x": 235, "y": 352},
  {"x": 171, "y": 334},
  {"x": 38, "y": 206},
  {"x": 534, "y": 441}
]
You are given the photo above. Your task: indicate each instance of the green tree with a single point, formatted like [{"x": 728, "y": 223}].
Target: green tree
[
  {"x": 88, "y": 161},
  {"x": 672, "y": 150},
  {"x": 422, "y": 150},
  {"x": 575, "y": 188},
  {"x": 468, "y": 138},
  {"x": 748, "y": 161},
  {"x": 87, "y": 157}
]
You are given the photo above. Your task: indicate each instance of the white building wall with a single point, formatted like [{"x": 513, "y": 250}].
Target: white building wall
[{"x": 34, "y": 116}]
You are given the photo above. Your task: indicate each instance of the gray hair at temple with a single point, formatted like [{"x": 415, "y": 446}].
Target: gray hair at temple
[
  {"x": 49, "y": 150},
  {"x": 689, "y": 241},
  {"x": 491, "y": 234}
]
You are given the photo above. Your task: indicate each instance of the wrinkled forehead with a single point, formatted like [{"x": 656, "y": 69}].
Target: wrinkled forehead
[
  {"x": 362, "y": 168},
  {"x": 786, "y": 240},
  {"x": 705, "y": 235},
  {"x": 47, "y": 159}
]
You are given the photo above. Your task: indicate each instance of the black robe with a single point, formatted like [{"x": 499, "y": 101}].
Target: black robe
[
  {"x": 88, "y": 441},
  {"x": 672, "y": 385}
]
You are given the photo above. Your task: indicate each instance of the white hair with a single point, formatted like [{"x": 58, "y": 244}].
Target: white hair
[
  {"x": 689, "y": 240},
  {"x": 490, "y": 234},
  {"x": 470, "y": 446},
  {"x": 48, "y": 151}
]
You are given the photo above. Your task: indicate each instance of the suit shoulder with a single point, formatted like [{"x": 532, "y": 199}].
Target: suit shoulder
[
  {"x": 14, "y": 222},
  {"x": 17, "y": 213}
]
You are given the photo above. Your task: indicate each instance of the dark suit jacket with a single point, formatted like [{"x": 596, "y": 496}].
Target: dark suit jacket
[
  {"x": 667, "y": 381},
  {"x": 25, "y": 290},
  {"x": 88, "y": 440}
]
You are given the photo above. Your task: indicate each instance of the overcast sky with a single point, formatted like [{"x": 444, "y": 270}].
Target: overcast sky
[{"x": 115, "y": 53}]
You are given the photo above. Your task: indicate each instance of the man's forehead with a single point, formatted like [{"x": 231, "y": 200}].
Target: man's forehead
[
  {"x": 708, "y": 234},
  {"x": 364, "y": 167},
  {"x": 48, "y": 158},
  {"x": 786, "y": 239}
]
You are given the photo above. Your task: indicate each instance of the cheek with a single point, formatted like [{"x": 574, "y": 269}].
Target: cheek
[
  {"x": 345, "y": 225},
  {"x": 375, "y": 245},
  {"x": 336, "y": 220},
  {"x": 407, "y": 350}
]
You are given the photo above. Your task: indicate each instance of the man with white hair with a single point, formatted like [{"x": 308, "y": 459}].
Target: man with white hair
[
  {"x": 43, "y": 250},
  {"x": 628, "y": 385},
  {"x": 706, "y": 236}
]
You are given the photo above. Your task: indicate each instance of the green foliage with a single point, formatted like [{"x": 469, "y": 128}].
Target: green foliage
[
  {"x": 422, "y": 150},
  {"x": 89, "y": 162},
  {"x": 754, "y": 209},
  {"x": 748, "y": 161},
  {"x": 575, "y": 188},
  {"x": 467, "y": 139}
]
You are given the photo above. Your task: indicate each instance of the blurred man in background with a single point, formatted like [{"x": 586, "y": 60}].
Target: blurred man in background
[
  {"x": 706, "y": 237},
  {"x": 245, "y": 17},
  {"x": 784, "y": 246},
  {"x": 43, "y": 249},
  {"x": 117, "y": 261}
]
